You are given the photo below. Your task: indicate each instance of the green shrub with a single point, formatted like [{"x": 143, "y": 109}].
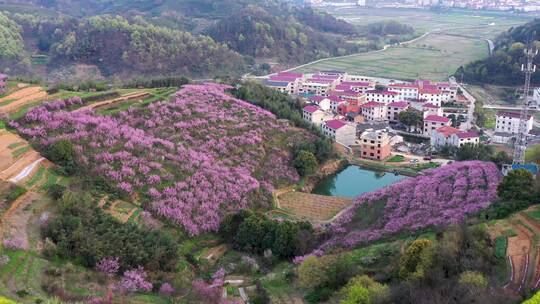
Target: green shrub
[
  {"x": 15, "y": 192},
  {"x": 501, "y": 242}
]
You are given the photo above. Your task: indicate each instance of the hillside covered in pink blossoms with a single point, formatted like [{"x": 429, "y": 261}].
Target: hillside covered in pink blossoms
[
  {"x": 439, "y": 197},
  {"x": 189, "y": 159}
]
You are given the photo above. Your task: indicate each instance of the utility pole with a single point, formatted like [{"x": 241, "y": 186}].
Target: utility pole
[{"x": 521, "y": 140}]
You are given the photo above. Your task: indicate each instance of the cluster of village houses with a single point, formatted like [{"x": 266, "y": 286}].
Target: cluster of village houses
[{"x": 356, "y": 111}]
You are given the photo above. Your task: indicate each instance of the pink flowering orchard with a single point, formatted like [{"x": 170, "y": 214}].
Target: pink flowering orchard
[
  {"x": 191, "y": 159},
  {"x": 439, "y": 197}
]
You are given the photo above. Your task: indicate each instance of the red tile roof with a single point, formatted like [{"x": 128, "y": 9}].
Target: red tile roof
[
  {"x": 356, "y": 84},
  {"x": 343, "y": 87},
  {"x": 372, "y": 104},
  {"x": 468, "y": 134},
  {"x": 430, "y": 105},
  {"x": 335, "y": 124},
  {"x": 311, "y": 108},
  {"x": 399, "y": 104},
  {"x": 447, "y": 131},
  {"x": 429, "y": 91},
  {"x": 437, "y": 118},
  {"x": 317, "y": 99},
  {"x": 289, "y": 74}
]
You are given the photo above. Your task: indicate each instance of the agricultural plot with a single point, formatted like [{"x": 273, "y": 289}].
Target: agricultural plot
[
  {"x": 20, "y": 98},
  {"x": 312, "y": 207},
  {"x": 425, "y": 20},
  {"x": 457, "y": 38},
  {"x": 433, "y": 57}
]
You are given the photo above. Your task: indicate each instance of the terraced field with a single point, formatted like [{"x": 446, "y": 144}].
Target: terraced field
[
  {"x": 523, "y": 249},
  {"x": 312, "y": 207},
  {"x": 20, "y": 98}
]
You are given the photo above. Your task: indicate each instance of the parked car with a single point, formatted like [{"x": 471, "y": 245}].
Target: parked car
[{"x": 427, "y": 158}]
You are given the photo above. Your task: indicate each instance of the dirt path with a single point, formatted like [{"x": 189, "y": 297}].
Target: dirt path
[
  {"x": 535, "y": 264},
  {"x": 18, "y": 99},
  {"x": 519, "y": 252},
  {"x": 14, "y": 220},
  {"x": 126, "y": 97}
]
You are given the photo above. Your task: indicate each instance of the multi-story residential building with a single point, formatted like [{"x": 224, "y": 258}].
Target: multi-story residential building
[
  {"x": 375, "y": 144},
  {"x": 431, "y": 95},
  {"x": 285, "y": 82},
  {"x": 322, "y": 101},
  {"x": 335, "y": 102},
  {"x": 373, "y": 111},
  {"x": 313, "y": 114},
  {"x": 382, "y": 96},
  {"x": 342, "y": 132},
  {"x": 394, "y": 108},
  {"x": 282, "y": 86},
  {"x": 317, "y": 86},
  {"x": 405, "y": 90},
  {"x": 433, "y": 122},
  {"x": 360, "y": 87},
  {"x": 508, "y": 122},
  {"x": 448, "y": 91},
  {"x": 447, "y": 135},
  {"x": 431, "y": 109}
]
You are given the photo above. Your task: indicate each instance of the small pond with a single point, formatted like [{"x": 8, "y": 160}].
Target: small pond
[{"x": 353, "y": 181}]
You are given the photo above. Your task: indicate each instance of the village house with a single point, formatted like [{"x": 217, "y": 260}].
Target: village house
[
  {"x": 450, "y": 136},
  {"x": 508, "y": 122},
  {"x": 375, "y": 144},
  {"x": 433, "y": 122},
  {"x": 382, "y": 96},
  {"x": 323, "y": 102},
  {"x": 315, "y": 115},
  {"x": 373, "y": 111},
  {"x": 431, "y": 95},
  {"x": 431, "y": 109},
  {"x": 405, "y": 90},
  {"x": 394, "y": 108},
  {"x": 340, "y": 131}
]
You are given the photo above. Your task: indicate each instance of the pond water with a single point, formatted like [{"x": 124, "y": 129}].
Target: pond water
[{"x": 353, "y": 181}]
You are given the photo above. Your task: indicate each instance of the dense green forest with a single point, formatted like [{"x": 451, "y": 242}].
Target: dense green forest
[
  {"x": 11, "y": 43},
  {"x": 504, "y": 65},
  {"x": 255, "y": 32},
  {"x": 196, "y": 38}
]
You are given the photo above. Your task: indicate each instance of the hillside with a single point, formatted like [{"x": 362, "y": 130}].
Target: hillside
[
  {"x": 11, "y": 44},
  {"x": 504, "y": 65},
  {"x": 278, "y": 32},
  {"x": 255, "y": 32},
  {"x": 120, "y": 47}
]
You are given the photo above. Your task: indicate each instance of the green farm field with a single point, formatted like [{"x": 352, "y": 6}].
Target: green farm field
[
  {"x": 433, "y": 57},
  {"x": 455, "y": 39}
]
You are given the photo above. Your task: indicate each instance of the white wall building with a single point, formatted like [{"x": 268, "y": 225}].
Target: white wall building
[
  {"x": 508, "y": 122},
  {"x": 405, "y": 90},
  {"x": 385, "y": 97},
  {"x": 394, "y": 108},
  {"x": 340, "y": 131},
  {"x": 315, "y": 115},
  {"x": 447, "y": 135},
  {"x": 433, "y": 122}
]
